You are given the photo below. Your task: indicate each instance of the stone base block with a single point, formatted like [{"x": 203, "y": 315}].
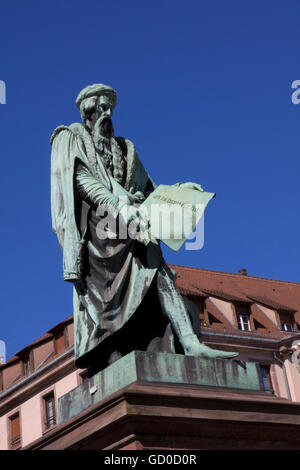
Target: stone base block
[{"x": 139, "y": 366}]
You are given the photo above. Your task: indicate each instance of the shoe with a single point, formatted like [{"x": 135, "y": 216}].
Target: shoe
[{"x": 192, "y": 347}]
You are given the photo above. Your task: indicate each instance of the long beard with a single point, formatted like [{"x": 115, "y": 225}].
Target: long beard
[
  {"x": 102, "y": 139},
  {"x": 103, "y": 129},
  {"x": 108, "y": 149}
]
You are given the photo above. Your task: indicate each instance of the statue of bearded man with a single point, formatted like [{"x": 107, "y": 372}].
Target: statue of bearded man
[{"x": 124, "y": 293}]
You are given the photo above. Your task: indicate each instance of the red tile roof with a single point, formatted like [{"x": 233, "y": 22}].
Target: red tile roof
[{"x": 278, "y": 295}]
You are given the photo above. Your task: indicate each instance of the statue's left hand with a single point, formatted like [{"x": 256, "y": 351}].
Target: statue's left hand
[{"x": 190, "y": 185}]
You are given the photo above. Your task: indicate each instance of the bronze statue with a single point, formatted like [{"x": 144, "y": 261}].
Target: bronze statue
[{"x": 124, "y": 293}]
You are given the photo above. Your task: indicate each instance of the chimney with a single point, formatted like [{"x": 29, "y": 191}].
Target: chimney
[{"x": 242, "y": 272}]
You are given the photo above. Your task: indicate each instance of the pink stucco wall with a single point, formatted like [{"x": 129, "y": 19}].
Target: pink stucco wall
[
  {"x": 31, "y": 422},
  {"x": 226, "y": 308},
  {"x": 3, "y": 433},
  {"x": 271, "y": 314},
  {"x": 31, "y": 412}
]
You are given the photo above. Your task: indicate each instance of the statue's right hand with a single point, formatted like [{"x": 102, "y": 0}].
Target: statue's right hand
[{"x": 137, "y": 223}]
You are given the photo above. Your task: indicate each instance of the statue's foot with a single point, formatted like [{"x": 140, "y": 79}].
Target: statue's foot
[{"x": 193, "y": 347}]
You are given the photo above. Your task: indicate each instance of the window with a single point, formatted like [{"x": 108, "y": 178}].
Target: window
[
  {"x": 27, "y": 363},
  {"x": 244, "y": 322},
  {"x": 50, "y": 415},
  {"x": 15, "y": 431},
  {"x": 26, "y": 366},
  {"x": 244, "y": 317},
  {"x": 287, "y": 326},
  {"x": 266, "y": 379},
  {"x": 287, "y": 321}
]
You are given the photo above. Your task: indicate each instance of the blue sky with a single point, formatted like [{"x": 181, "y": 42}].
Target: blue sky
[{"x": 204, "y": 91}]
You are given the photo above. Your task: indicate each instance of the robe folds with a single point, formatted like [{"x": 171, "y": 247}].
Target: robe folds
[{"x": 111, "y": 277}]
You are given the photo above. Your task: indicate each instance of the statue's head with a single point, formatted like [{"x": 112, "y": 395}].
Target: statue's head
[{"x": 96, "y": 104}]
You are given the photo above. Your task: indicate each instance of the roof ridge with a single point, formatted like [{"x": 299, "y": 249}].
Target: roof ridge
[{"x": 225, "y": 273}]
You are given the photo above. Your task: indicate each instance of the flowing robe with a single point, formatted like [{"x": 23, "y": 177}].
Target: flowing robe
[{"x": 111, "y": 277}]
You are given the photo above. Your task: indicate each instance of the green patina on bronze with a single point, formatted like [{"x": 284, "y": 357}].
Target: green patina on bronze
[
  {"x": 158, "y": 368},
  {"x": 122, "y": 287}
]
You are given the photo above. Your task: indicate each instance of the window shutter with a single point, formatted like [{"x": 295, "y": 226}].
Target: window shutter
[{"x": 15, "y": 430}]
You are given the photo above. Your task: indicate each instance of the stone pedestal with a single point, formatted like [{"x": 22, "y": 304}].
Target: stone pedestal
[
  {"x": 139, "y": 366},
  {"x": 169, "y": 401}
]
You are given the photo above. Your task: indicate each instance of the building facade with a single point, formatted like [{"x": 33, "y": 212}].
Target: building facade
[{"x": 259, "y": 318}]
